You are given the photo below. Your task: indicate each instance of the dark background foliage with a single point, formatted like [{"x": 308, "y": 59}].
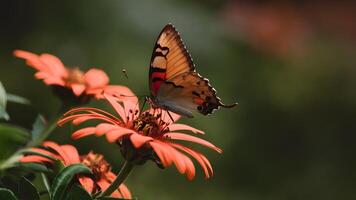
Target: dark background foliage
[{"x": 291, "y": 66}]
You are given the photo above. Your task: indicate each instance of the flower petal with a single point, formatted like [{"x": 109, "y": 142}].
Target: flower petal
[
  {"x": 43, "y": 151},
  {"x": 54, "y": 65},
  {"x": 177, "y": 159},
  {"x": 78, "y": 89},
  {"x": 103, "y": 128},
  {"x": 96, "y": 78},
  {"x": 35, "y": 159},
  {"x": 114, "y": 135},
  {"x": 125, "y": 192},
  {"x": 31, "y": 59},
  {"x": 181, "y": 161},
  {"x": 66, "y": 158},
  {"x": 123, "y": 189},
  {"x": 83, "y": 132},
  {"x": 202, "y": 160},
  {"x": 131, "y": 109},
  {"x": 166, "y": 116},
  {"x": 87, "y": 183},
  {"x": 122, "y": 93},
  {"x": 104, "y": 184},
  {"x": 177, "y": 127},
  {"x": 138, "y": 140},
  {"x": 162, "y": 154},
  {"x": 72, "y": 151},
  {"x": 118, "y": 108},
  {"x": 49, "y": 79},
  {"x": 182, "y": 136},
  {"x": 53, "y": 81}
]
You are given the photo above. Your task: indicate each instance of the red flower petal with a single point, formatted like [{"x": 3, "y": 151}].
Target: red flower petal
[
  {"x": 72, "y": 151},
  {"x": 165, "y": 116},
  {"x": 103, "y": 128},
  {"x": 181, "y": 161},
  {"x": 177, "y": 127},
  {"x": 35, "y": 158},
  {"x": 190, "y": 169},
  {"x": 182, "y": 136},
  {"x": 138, "y": 140},
  {"x": 87, "y": 183},
  {"x": 66, "y": 157},
  {"x": 126, "y": 194},
  {"x": 118, "y": 108},
  {"x": 54, "y": 65},
  {"x": 122, "y": 93},
  {"x": 114, "y": 135},
  {"x": 83, "y": 132},
  {"x": 104, "y": 184},
  {"x": 43, "y": 151},
  {"x": 48, "y": 79},
  {"x": 96, "y": 78},
  {"x": 164, "y": 156},
  {"x": 202, "y": 160},
  {"x": 78, "y": 89},
  {"x": 31, "y": 59}
]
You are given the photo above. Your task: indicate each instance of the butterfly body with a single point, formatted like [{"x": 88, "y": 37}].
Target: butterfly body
[{"x": 174, "y": 83}]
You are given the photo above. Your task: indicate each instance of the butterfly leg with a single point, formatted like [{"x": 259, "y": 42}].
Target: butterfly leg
[
  {"x": 144, "y": 103},
  {"x": 170, "y": 116}
]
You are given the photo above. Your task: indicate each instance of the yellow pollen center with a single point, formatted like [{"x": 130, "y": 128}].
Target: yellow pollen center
[
  {"x": 147, "y": 124},
  {"x": 75, "y": 76},
  {"x": 96, "y": 163}
]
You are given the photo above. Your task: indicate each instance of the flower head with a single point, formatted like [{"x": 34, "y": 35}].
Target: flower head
[
  {"x": 142, "y": 136},
  {"x": 68, "y": 155},
  {"x": 69, "y": 83}
]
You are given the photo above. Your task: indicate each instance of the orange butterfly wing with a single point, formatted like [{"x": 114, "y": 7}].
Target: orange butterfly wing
[{"x": 174, "y": 83}]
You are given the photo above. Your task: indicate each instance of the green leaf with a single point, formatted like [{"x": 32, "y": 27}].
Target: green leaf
[
  {"x": 46, "y": 183},
  {"x": 31, "y": 152},
  {"x": 65, "y": 176},
  {"x": 38, "y": 127},
  {"x": 3, "y": 100},
  {"x": 7, "y": 194},
  {"x": 27, "y": 190},
  {"x": 110, "y": 198},
  {"x": 17, "y": 99},
  {"x": 11, "y": 138},
  {"x": 3, "y": 97},
  {"x": 3, "y": 114},
  {"x": 58, "y": 166},
  {"x": 78, "y": 192},
  {"x": 35, "y": 167}
]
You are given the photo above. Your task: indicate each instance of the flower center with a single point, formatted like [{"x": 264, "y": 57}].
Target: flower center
[
  {"x": 75, "y": 76},
  {"x": 96, "y": 162},
  {"x": 149, "y": 124}
]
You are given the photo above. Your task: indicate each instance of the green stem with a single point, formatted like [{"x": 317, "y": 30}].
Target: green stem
[{"x": 120, "y": 178}]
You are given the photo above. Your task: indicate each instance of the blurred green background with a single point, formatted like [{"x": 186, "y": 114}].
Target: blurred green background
[{"x": 290, "y": 64}]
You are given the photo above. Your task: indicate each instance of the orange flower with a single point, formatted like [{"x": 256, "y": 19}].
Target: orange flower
[
  {"x": 142, "y": 136},
  {"x": 82, "y": 85},
  {"x": 68, "y": 155}
]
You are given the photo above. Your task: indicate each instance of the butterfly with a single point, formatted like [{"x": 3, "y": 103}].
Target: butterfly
[{"x": 174, "y": 83}]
